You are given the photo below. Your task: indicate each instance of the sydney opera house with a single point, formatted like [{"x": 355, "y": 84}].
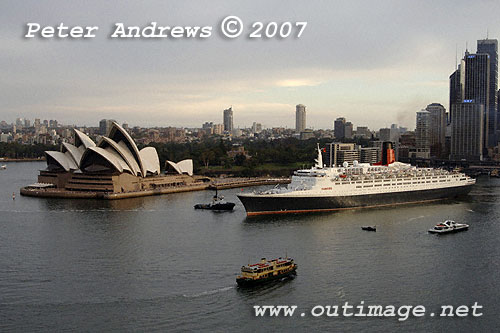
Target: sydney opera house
[{"x": 113, "y": 166}]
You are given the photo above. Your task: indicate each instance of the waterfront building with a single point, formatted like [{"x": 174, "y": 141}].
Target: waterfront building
[
  {"x": 467, "y": 131},
  {"x": 228, "y": 120},
  {"x": 114, "y": 165},
  {"x": 339, "y": 128},
  {"x": 437, "y": 129},
  {"x": 300, "y": 118}
]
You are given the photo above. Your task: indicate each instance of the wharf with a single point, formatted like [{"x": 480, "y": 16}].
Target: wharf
[{"x": 223, "y": 183}]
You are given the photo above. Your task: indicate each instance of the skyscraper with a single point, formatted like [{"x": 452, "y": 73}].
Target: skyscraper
[
  {"x": 467, "y": 131},
  {"x": 490, "y": 47},
  {"x": 339, "y": 128},
  {"x": 300, "y": 118},
  {"x": 228, "y": 120},
  {"x": 476, "y": 88},
  {"x": 456, "y": 86},
  {"x": 422, "y": 137},
  {"x": 437, "y": 128}
]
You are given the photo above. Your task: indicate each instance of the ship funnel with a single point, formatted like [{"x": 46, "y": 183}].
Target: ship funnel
[{"x": 387, "y": 154}]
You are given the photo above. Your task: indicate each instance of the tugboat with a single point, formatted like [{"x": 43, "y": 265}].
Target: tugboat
[
  {"x": 448, "y": 226},
  {"x": 218, "y": 203},
  {"x": 265, "y": 271}
]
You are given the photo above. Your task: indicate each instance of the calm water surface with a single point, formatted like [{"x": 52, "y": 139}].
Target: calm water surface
[{"x": 157, "y": 264}]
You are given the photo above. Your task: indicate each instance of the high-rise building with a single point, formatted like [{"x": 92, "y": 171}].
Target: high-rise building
[
  {"x": 456, "y": 87},
  {"x": 300, "y": 118},
  {"x": 364, "y": 132},
  {"x": 348, "y": 130},
  {"x": 437, "y": 129},
  {"x": 467, "y": 131},
  {"x": 384, "y": 134},
  {"x": 422, "y": 130},
  {"x": 339, "y": 128},
  {"x": 104, "y": 126},
  {"x": 228, "y": 120},
  {"x": 490, "y": 47},
  {"x": 338, "y": 153},
  {"x": 256, "y": 127},
  {"x": 476, "y": 88}
]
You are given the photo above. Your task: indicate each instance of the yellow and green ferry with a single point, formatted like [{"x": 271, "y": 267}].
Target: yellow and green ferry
[{"x": 265, "y": 271}]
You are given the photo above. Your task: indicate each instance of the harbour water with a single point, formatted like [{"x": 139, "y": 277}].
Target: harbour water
[{"x": 156, "y": 264}]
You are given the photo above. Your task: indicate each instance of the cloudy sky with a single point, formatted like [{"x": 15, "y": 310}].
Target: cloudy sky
[{"x": 373, "y": 62}]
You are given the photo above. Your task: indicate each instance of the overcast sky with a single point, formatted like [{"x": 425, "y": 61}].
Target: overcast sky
[{"x": 373, "y": 62}]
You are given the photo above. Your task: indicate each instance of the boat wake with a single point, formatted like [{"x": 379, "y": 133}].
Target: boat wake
[
  {"x": 209, "y": 292},
  {"x": 416, "y": 218}
]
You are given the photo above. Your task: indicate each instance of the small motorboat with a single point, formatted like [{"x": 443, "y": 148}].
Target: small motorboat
[
  {"x": 3, "y": 167},
  {"x": 218, "y": 203},
  {"x": 448, "y": 226},
  {"x": 369, "y": 227}
]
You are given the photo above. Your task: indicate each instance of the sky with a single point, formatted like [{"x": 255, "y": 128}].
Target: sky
[{"x": 373, "y": 62}]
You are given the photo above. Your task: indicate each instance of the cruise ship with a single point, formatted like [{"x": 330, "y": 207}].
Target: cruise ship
[{"x": 359, "y": 185}]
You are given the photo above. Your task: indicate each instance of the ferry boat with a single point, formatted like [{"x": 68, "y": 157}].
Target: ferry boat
[
  {"x": 265, "y": 271},
  {"x": 448, "y": 226},
  {"x": 359, "y": 185}
]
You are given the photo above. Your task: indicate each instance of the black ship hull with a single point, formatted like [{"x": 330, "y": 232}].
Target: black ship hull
[{"x": 274, "y": 204}]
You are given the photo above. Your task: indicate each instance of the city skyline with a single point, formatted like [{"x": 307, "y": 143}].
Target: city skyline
[{"x": 374, "y": 74}]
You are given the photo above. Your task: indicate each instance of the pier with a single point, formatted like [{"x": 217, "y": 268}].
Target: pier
[{"x": 39, "y": 190}]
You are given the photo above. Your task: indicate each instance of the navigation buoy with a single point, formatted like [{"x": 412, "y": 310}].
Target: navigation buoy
[{"x": 13, "y": 196}]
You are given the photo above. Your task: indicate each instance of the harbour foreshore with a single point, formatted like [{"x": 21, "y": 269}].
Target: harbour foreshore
[{"x": 220, "y": 183}]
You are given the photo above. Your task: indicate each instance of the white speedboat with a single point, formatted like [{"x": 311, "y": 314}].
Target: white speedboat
[
  {"x": 448, "y": 226},
  {"x": 3, "y": 167}
]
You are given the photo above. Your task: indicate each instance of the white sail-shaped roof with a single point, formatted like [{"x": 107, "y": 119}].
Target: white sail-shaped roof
[
  {"x": 82, "y": 139},
  {"x": 76, "y": 153},
  {"x": 62, "y": 160},
  {"x": 149, "y": 158},
  {"x": 118, "y": 152},
  {"x": 184, "y": 166},
  {"x": 123, "y": 151},
  {"x": 88, "y": 159},
  {"x": 117, "y": 134}
]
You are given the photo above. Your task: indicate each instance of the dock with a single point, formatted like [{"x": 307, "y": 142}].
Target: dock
[
  {"x": 226, "y": 183},
  {"x": 219, "y": 184}
]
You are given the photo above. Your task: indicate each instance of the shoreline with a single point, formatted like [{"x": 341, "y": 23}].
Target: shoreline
[
  {"x": 34, "y": 159},
  {"x": 225, "y": 183}
]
